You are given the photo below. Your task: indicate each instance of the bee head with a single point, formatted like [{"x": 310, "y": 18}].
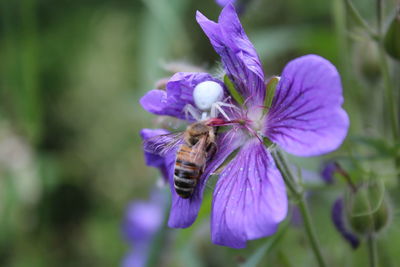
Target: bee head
[{"x": 196, "y": 131}]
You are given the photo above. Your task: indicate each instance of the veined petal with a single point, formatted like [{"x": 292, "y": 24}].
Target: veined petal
[
  {"x": 184, "y": 211},
  {"x": 238, "y": 54},
  {"x": 306, "y": 117},
  {"x": 249, "y": 199},
  {"x": 179, "y": 92}
]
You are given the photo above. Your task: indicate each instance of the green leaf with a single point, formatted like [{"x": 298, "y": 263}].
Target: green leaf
[{"x": 232, "y": 90}]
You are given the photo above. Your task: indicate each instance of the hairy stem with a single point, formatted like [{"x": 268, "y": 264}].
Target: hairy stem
[
  {"x": 301, "y": 202},
  {"x": 372, "y": 251}
]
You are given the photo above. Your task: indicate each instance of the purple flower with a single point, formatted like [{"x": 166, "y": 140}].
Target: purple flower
[
  {"x": 240, "y": 5},
  {"x": 142, "y": 221},
  {"x": 328, "y": 172},
  {"x": 224, "y": 2},
  {"x": 339, "y": 222},
  {"x": 305, "y": 119}
]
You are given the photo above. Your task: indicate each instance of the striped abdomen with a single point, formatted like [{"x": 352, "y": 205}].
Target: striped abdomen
[{"x": 188, "y": 168}]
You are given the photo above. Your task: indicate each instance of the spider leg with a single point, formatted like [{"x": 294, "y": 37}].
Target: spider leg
[
  {"x": 217, "y": 107},
  {"x": 191, "y": 110}
]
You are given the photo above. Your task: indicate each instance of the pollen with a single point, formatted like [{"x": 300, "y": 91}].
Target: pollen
[{"x": 207, "y": 93}]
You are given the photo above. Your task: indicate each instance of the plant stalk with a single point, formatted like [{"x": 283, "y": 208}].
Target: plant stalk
[
  {"x": 372, "y": 251},
  {"x": 301, "y": 202},
  {"x": 353, "y": 12},
  {"x": 389, "y": 87}
]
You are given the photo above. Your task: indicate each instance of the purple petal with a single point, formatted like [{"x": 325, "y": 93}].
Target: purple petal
[
  {"x": 249, "y": 199},
  {"x": 142, "y": 221},
  {"x": 306, "y": 117},
  {"x": 179, "y": 93},
  {"x": 135, "y": 258},
  {"x": 224, "y": 2},
  {"x": 152, "y": 159},
  {"x": 184, "y": 211},
  {"x": 328, "y": 172},
  {"x": 238, "y": 54},
  {"x": 338, "y": 221}
]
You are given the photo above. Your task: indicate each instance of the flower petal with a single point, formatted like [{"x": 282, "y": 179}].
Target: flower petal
[
  {"x": 306, "y": 117},
  {"x": 153, "y": 159},
  {"x": 338, "y": 220},
  {"x": 184, "y": 211},
  {"x": 238, "y": 54},
  {"x": 224, "y": 2},
  {"x": 179, "y": 93},
  {"x": 249, "y": 199},
  {"x": 142, "y": 221},
  {"x": 328, "y": 172},
  {"x": 134, "y": 258}
]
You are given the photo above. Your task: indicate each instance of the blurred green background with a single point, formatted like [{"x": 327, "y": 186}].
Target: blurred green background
[{"x": 72, "y": 73}]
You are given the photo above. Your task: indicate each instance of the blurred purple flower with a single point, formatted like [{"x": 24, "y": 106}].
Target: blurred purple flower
[
  {"x": 225, "y": 2},
  {"x": 142, "y": 221},
  {"x": 305, "y": 119},
  {"x": 240, "y": 5},
  {"x": 339, "y": 222},
  {"x": 328, "y": 172}
]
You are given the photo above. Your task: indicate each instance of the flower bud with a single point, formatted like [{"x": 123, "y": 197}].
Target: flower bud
[
  {"x": 367, "y": 209},
  {"x": 366, "y": 60},
  {"x": 392, "y": 37}
]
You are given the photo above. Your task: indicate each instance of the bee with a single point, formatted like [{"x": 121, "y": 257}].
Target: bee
[
  {"x": 192, "y": 156},
  {"x": 195, "y": 147}
]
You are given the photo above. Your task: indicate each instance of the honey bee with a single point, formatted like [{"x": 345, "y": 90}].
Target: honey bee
[
  {"x": 192, "y": 156},
  {"x": 196, "y": 146}
]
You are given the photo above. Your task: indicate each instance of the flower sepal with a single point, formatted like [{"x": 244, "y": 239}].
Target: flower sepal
[
  {"x": 392, "y": 37},
  {"x": 270, "y": 88},
  {"x": 232, "y": 90}
]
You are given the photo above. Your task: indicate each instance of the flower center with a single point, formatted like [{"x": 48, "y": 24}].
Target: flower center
[{"x": 256, "y": 118}]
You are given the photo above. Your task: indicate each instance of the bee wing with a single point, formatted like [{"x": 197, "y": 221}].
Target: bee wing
[
  {"x": 162, "y": 144},
  {"x": 198, "y": 150}
]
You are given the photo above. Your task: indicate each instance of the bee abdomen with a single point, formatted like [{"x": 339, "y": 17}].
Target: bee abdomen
[
  {"x": 184, "y": 187},
  {"x": 185, "y": 178}
]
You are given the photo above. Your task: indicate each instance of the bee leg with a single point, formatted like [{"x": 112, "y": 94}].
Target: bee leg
[
  {"x": 211, "y": 150},
  {"x": 191, "y": 110}
]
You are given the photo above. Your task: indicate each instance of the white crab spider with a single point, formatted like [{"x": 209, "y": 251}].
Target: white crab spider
[{"x": 207, "y": 97}]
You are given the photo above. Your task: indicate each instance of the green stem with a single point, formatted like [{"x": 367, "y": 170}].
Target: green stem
[
  {"x": 388, "y": 85},
  {"x": 298, "y": 194},
  {"x": 372, "y": 251},
  {"x": 359, "y": 20},
  {"x": 379, "y": 16}
]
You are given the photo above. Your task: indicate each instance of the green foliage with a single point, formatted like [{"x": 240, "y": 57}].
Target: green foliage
[
  {"x": 392, "y": 37},
  {"x": 71, "y": 75}
]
